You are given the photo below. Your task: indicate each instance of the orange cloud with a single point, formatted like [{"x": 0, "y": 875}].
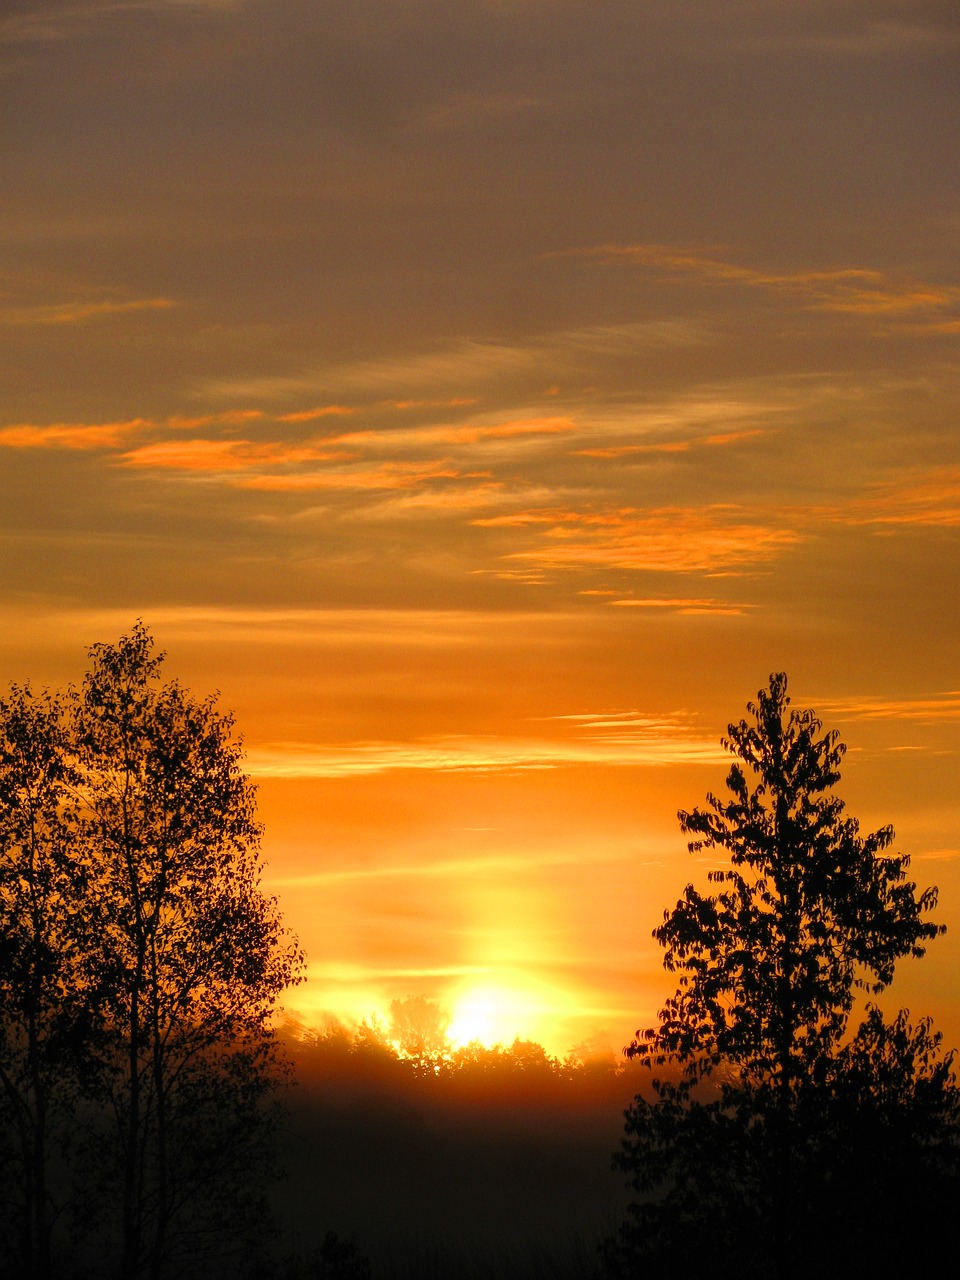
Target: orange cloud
[
  {"x": 447, "y": 499},
  {"x": 311, "y": 415},
  {"x": 676, "y": 539},
  {"x": 77, "y": 312},
  {"x": 670, "y": 446},
  {"x": 852, "y": 290},
  {"x": 456, "y": 403},
  {"x": 937, "y": 707},
  {"x": 393, "y": 475},
  {"x": 627, "y": 739},
  {"x": 929, "y": 498},
  {"x": 70, "y": 435},
  {"x": 231, "y": 417},
  {"x": 224, "y": 455},
  {"x": 507, "y": 430},
  {"x": 686, "y": 607},
  {"x": 624, "y": 450},
  {"x": 430, "y": 435}
]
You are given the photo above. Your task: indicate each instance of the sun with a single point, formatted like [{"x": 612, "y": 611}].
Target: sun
[{"x": 494, "y": 1013}]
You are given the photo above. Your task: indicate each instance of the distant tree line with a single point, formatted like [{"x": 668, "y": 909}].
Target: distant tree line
[
  {"x": 139, "y": 964},
  {"x": 780, "y": 1140},
  {"x": 409, "y": 1053}
]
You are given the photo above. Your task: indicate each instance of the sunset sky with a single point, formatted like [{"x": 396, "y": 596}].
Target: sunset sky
[{"x": 486, "y": 397}]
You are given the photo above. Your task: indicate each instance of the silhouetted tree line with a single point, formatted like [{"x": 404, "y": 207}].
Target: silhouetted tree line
[
  {"x": 139, "y": 964},
  {"x": 401, "y": 1057},
  {"x": 779, "y": 1141}
]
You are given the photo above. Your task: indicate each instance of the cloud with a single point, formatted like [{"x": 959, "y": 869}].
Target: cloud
[
  {"x": 670, "y": 539},
  {"x": 311, "y": 415},
  {"x": 449, "y": 499},
  {"x": 687, "y": 607},
  {"x": 219, "y": 456},
  {"x": 845, "y": 290},
  {"x": 331, "y": 629},
  {"x": 62, "y": 21},
  {"x": 484, "y": 866},
  {"x": 78, "y": 312},
  {"x": 934, "y": 709},
  {"x": 229, "y": 417},
  {"x": 470, "y": 109},
  {"x": 928, "y": 498},
  {"x": 719, "y": 439},
  {"x": 631, "y": 740},
  {"x": 70, "y": 435},
  {"x": 457, "y": 402},
  {"x": 389, "y": 475},
  {"x": 867, "y": 33},
  {"x": 445, "y": 372}
]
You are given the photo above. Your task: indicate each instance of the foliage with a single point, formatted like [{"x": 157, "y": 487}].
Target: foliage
[
  {"x": 45, "y": 1005},
  {"x": 147, "y": 965},
  {"x": 767, "y": 1100}
]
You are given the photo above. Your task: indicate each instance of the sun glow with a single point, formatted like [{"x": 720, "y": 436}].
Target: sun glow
[{"x": 492, "y": 1013}]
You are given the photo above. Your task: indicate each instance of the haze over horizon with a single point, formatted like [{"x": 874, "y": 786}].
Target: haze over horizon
[{"x": 486, "y": 400}]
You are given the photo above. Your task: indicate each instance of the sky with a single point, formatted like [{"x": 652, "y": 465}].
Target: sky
[{"x": 485, "y": 399}]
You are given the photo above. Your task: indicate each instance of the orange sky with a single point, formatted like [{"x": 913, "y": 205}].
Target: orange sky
[{"x": 486, "y": 398}]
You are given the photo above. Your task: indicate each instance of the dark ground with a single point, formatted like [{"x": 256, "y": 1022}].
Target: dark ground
[{"x": 503, "y": 1174}]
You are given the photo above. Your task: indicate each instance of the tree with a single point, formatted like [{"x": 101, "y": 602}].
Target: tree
[
  {"x": 130, "y": 824},
  {"x": 44, "y": 1004},
  {"x": 807, "y": 914}
]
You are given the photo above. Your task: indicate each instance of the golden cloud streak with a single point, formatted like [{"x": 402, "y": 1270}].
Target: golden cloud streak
[
  {"x": 390, "y": 475},
  {"x": 926, "y": 498},
  {"x": 673, "y": 539},
  {"x": 223, "y": 455},
  {"x": 494, "y": 864},
  {"x": 851, "y": 290},
  {"x": 230, "y": 417},
  {"x": 70, "y": 435},
  {"x": 936, "y": 708},
  {"x": 311, "y": 415},
  {"x": 639, "y": 743},
  {"x": 77, "y": 312},
  {"x": 686, "y": 607},
  {"x": 719, "y": 439}
]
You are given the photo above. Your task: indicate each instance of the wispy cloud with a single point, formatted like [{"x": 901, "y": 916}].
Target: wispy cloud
[
  {"x": 62, "y": 21},
  {"x": 852, "y": 290},
  {"x": 934, "y": 709},
  {"x": 442, "y": 374},
  {"x": 389, "y": 475},
  {"x": 70, "y": 435},
  {"x": 469, "y": 109},
  {"x": 322, "y": 411},
  {"x": 218, "y": 456},
  {"x": 687, "y": 607},
  {"x": 229, "y": 417},
  {"x": 676, "y": 539},
  {"x": 78, "y": 312},
  {"x": 925, "y": 497},
  {"x": 623, "y": 739},
  {"x": 485, "y": 866},
  {"x": 717, "y": 440}
]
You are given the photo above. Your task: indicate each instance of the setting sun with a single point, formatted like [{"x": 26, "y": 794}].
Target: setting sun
[{"x": 494, "y": 1013}]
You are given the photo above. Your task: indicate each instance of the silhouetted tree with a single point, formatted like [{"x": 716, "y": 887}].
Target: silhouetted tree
[
  {"x": 418, "y": 1028},
  {"x": 132, "y": 909},
  {"x": 44, "y": 991},
  {"x": 807, "y": 913}
]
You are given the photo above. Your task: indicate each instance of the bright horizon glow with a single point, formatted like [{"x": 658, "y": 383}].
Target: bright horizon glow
[{"x": 492, "y": 1013}]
